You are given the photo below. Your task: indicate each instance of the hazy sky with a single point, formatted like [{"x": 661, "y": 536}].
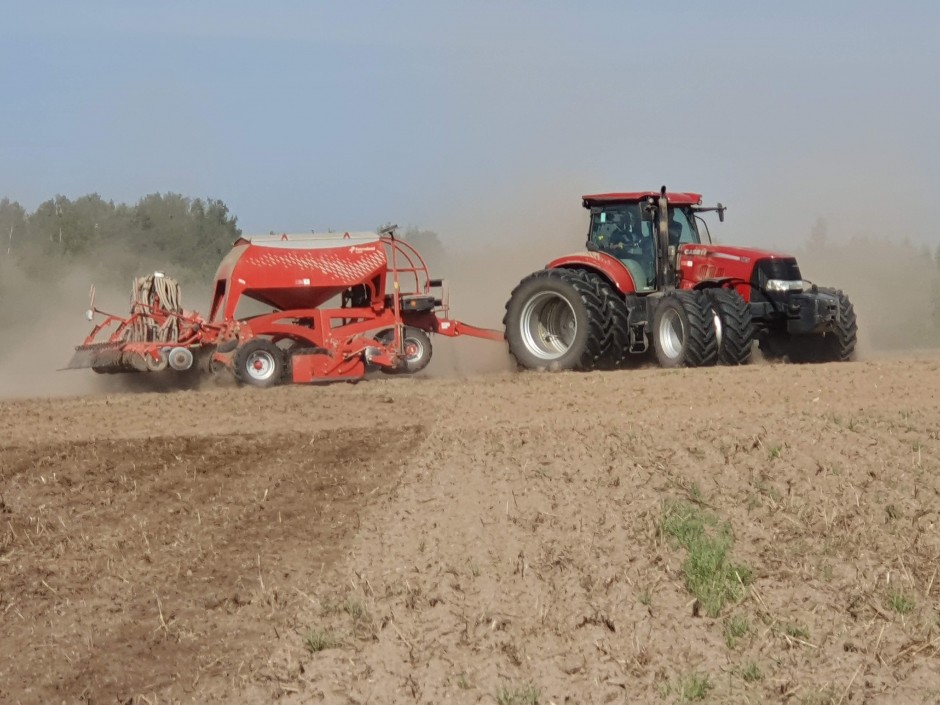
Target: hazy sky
[{"x": 468, "y": 116}]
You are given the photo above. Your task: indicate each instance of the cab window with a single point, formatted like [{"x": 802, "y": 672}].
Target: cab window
[
  {"x": 616, "y": 224},
  {"x": 681, "y": 228}
]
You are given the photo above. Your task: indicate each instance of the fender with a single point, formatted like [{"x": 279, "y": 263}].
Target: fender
[
  {"x": 600, "y": 263},
  {"x": 733, "y": 283},
  {"x": 717, "y": 283}
]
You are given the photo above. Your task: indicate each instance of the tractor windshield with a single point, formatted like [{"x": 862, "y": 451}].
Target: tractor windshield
[
  {"x": 682, "y": 228},
  {"x": 619, "y": 230}
]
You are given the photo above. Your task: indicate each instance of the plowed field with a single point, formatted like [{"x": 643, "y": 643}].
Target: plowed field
[{"x": 763, "y": 534}]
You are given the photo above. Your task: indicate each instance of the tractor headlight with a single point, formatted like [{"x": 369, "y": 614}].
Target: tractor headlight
[{"x": 784, "y": 285}]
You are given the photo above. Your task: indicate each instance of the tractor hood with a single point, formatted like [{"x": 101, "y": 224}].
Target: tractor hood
[
  {"x": 702, "y": 262},
  {"x": 744, "y": 255}
]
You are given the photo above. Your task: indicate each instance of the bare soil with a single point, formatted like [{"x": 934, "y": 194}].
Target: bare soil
[{"x": 495, "y": 538}]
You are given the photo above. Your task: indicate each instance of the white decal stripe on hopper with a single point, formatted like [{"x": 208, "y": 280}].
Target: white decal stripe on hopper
[{"x": 311, "y": 241}]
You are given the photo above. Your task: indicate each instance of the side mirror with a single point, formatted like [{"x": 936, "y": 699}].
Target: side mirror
[{"x": 721, "y": 213}]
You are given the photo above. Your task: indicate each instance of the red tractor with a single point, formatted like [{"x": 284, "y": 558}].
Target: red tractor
[
  {"x": 340, "y": 304},
  {"x": 653, "y": 280}
]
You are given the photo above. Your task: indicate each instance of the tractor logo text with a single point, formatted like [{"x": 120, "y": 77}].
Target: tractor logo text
[{"x": 358, "y": 250}]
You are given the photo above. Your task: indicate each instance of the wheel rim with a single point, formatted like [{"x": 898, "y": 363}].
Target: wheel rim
[
  {"x": 260, "y": 365},
  {"x": 157, "y": 365},
  {"x": 717, "y": 328},
  {"x": 180, "y": 359},
  {"x": 672, "y": 334},
  {"x": 414, "y": 349},
  {"x": 549, "y": 325}
]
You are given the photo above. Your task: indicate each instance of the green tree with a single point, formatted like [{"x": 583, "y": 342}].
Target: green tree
[
  {"x": 429, "y": 246},
  {"x": 114, "y": 242},
  {"x": 12, "y": 226},
  {"x": 189, "y": 235}
]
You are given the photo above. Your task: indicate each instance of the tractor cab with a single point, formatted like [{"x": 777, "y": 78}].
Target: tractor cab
[{"x": 626, "y": 226}]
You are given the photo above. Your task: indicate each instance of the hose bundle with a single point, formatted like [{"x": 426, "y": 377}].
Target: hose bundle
[{"x": 155, "y": 292}]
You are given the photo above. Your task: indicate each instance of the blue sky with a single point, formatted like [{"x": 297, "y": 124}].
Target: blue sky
[{"x": 478, "y": 118}]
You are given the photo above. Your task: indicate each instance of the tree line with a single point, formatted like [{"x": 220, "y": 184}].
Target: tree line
[{"x": 185, "y": 236}]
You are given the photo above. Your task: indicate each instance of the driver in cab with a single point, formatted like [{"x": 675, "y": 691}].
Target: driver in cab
[
  {"x": 619, "y": 232},
  {"x": 615, "y": 233}
]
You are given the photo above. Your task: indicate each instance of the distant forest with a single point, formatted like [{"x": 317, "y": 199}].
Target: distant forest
[
  {"x": 186, "y": 237},
  {"x": 117, "y": 241}
]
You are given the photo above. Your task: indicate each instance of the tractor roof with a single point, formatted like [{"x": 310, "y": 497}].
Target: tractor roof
[{"x": 682, "y": 199}]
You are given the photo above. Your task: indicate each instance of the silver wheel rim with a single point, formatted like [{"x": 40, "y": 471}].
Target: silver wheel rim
[
  {"x": 414, "y": 349},
  {"x": 180, "y": 359},
  {"x": 260, "y": 365},
  {"x": 672, "y": 334},
  {"x": 157, "y": 365},
  {"x": 549, "y": 325},
  {"x": 717, "y": 328}
]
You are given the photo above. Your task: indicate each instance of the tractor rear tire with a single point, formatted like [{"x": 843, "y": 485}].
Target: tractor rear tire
[
  {"x": 837, "y": 345},
  {"x": 684, "y": 330},
  {"x": 555, "y": 320},
  {"x": 616, "y": 345},
  {"x": 418, "y": 350},
  {"x": 259, "y": 363},
  {"x": 734, "y": 327}
]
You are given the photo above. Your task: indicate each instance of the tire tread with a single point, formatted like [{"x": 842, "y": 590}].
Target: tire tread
[{"x": 737, "y": 327}]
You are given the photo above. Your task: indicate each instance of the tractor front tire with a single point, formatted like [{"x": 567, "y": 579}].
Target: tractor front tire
[
  {"x": 555, "y": 320},
  {"x": 837, "y": 345},
  {"x": 734, "y": 327},
  {"x": 684, "y": 330},
  {"x": 259, "y": 363}
]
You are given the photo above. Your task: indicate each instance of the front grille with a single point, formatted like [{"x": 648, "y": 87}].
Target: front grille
[{"x": 778, "y": 268}]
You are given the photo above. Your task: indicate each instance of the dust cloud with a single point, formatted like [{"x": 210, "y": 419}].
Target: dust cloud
[
  {"x": 893, "y": 286},
  {"x": 487, "y": 252},
  {"x": 43, "y": 319}
]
